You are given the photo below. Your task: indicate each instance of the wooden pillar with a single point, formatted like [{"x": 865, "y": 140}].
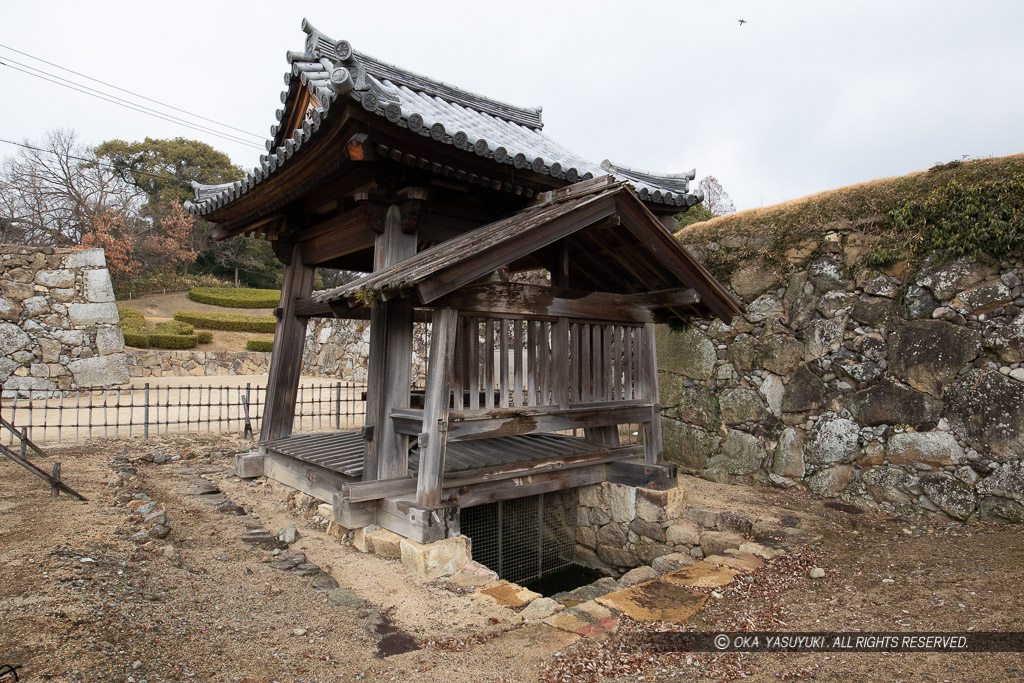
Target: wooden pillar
[
  {"x": 286, "y": 359},
  {"x": 648, "y": 378},
  {"x": 390, "y": 362},
  {"x": 433, "y": 440}
]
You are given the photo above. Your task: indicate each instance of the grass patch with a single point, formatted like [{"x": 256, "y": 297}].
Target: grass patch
[
  {"x": 236, "y": 297},
  {"x": 259, "y": 345},
  {"x": 971, "y": 207},
  {"x": 231, "y": 322}
]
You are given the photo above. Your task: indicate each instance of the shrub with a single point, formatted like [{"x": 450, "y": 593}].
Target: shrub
[
  {"x": 204, "y": 336},
  {"x": 236, "y": 297},
  {"x": 172, "y": 341},
  {"x": 131, "y": 319},
  {"x": 232, "y": 322},
  {"x": 173, "y": 327},
  {"x": 259, "y": 345},
  {"x": 139, "y": 340}
]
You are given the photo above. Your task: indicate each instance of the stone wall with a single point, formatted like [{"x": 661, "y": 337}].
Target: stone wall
[
  {"x": 164, "y": 363},
  {"x": 334, "y": 349},
  {"x": 58, "y": 321},
  {"x": 901, "y": 389}
]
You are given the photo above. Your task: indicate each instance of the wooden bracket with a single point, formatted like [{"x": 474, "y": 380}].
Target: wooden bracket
[
  {"x": 359, "y": 148},
  {"x": 638, "y": 473}
]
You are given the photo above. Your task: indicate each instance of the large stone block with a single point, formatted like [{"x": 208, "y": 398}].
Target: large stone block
[
  {"x": 781, "y": 354},
  {"x": 890, "y": 403},
  {"x": 986, "y": 409},
  {"x": 688, "y": 353},
  {"x": 789, "y": 454},
  {"x": 825, "y": 336},
  {"x": 93, "y": 314},
  {"x": 109, "y": 340},
  {"x": 742, "y": 405},
  {"x": 742, "y": 453},
  {"x": 937, "y": 449},
  {"x": 12, "y": 339},
  {"x": 833, "y": 440},
  {"x": 437, "y": 559},
  {"x": 804, "y": 392},
  {"x": 826, "y": 275},
  {"x": 699, "y": 406},
  {"x": 953, "y": 496},
  {"x": 753, "y": 279},
  {"x": 660, "y": 506},
  {"x": 773, "y": 390},
  {"x": 621, "y": 502},
  {"x": 56, "y": 278},
  {"x": 99, "y": 371},
  {"x": 946, "y": 279},
  {"x": 928, "y": 354},
  {"x": 687, "y": 445},
  {"x": 888, "y": 484},
  {"x": 830, "y": 481},
  {"x": 98, "y": 288},
  {"x": 85, "y": 258},
  {"x": 1007, "y": 481},
  {"x": 764, "y": 307}
]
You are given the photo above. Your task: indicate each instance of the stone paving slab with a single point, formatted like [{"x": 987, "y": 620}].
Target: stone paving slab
[
  {"x": 701, "y": 575},
  {"x": 602, "y": 586},
  {"x": 738, "y": 560},
  {"x": 508, "y": 594},
  {"x": 586, "y": 619},
  {"x": 656, "y": 601}
]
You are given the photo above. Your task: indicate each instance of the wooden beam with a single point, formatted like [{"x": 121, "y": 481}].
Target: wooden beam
[
  {"x": 286, "y": 359},
  {"x": 665, "y": 298},
  {"x": 643, "y": 474},
  {"x": 313, "y": 480},
  {"x": 389, "y": 367},
  {"x": 387, "y": 488},
  {"x": 434, "y": 437},
  {"x": 530, "y": 485},
  {"x": 547, "y": 302}
]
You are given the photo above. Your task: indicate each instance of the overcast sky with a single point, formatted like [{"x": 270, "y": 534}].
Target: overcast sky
[{"x": 804, "y": 97}]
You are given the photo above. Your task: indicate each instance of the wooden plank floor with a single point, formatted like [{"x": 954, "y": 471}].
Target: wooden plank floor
[{"x": 343, "y": 452}]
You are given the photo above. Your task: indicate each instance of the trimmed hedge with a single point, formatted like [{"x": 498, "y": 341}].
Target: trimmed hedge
[
  {"x": 136, "y": 339},
  {"x": 259, "y": 345},
  {"x": 131, "y": 318},
  {"x": 232, "y": 322},
  {"x": 173, "y": 327},
  {"x": 236, "y": 297},
  {"x": 204, "y": 336},
  {"x": 172, "y": 341}
]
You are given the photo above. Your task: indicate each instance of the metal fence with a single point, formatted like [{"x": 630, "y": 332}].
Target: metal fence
[
  {"x": 524, "y": 538},
  {"x": 158, "y": 410}
]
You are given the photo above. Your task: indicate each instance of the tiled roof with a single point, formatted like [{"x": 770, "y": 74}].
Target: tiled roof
[{"x": 503, "y": 133}]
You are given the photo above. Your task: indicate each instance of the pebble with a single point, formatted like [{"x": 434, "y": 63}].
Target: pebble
[
  {"x": 816, "y": 573},
  {"x": 888, "y": 581},
  {"x": 298, "y": 631}
]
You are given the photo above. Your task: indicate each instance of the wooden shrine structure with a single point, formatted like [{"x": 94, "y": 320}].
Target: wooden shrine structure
[{"x": 443, "y": 198}]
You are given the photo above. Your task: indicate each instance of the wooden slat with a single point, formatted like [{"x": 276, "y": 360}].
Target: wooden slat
[
  {"x": 517, "y": 362},
  {"x": 488, "y": 349},
  {"x": 503, "y": 384},
  {"x": 474, "y": 363},
  {"x": 531, "y": 363},
  {"x": 560, "y": 356}
]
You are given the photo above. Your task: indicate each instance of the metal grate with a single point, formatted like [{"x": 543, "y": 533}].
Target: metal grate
[{"x": 523, "y": 538}]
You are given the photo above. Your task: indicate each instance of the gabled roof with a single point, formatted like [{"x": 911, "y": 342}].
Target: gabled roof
[
  {"x": 510, "y": 136},
  {"x": 644, "y": 258}
]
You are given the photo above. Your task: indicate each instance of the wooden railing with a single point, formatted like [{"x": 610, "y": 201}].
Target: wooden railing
[{"x": 516, "y": 363}]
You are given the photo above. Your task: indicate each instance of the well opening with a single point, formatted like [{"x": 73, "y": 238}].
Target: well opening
[{"x": 529, "y": 540}]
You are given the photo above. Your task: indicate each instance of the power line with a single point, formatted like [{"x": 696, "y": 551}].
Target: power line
[
  {"x": 113, "y": 99},
  {"x": 130, "y": 92},
  {"x": 99, "y": 163}
]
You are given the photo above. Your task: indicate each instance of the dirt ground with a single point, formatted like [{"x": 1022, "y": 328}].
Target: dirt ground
[
  {"x": 81, "y": 600},
  {"x": 161, "y": 307}
]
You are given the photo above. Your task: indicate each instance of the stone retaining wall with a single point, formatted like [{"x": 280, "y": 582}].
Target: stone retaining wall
[
  {"x": 335, "y": 349},
  {"x": 59, "y": 327},
  {"x": 901, "y": 389}
]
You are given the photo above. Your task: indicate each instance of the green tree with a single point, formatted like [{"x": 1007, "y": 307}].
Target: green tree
[{"x": 695, "y": 214}]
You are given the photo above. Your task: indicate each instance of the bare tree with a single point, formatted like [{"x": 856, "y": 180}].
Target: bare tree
[
  {"x": 52, "y": 193},
  {"x": 716, "y": 199}
]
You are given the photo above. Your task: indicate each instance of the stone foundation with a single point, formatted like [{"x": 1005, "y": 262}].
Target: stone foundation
[{"x": 162, "y": 363}]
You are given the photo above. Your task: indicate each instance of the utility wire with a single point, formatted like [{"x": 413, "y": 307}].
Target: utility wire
[
  {"x": 130, "y": 92},
  {"x": 89, "y": 161},
  {"x": 113, "y": 99}
]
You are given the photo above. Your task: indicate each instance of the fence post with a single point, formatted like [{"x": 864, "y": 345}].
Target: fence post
[
  {"x": 145, "y": 412},
  {"x": 337, "y": 406},
  {"x": 247, "y": 432},
  {"x": 24, "y": 440}
]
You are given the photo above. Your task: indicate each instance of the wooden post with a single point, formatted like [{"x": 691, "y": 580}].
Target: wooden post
[
  {"x": 648, "y": 381},
  {"x": 286, "y": 359},
  {"x": 145, "y": 414},
  {"x": 389, "y": 367},
  {"x": 55, "y": 473},
  {"x": 433, "y": 440}
]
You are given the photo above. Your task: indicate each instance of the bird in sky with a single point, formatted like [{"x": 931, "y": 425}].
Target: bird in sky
[{"x": 742, "y": 21}]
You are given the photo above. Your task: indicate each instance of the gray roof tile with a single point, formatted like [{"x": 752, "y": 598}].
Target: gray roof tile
[{"x": 504, "y": 133}]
